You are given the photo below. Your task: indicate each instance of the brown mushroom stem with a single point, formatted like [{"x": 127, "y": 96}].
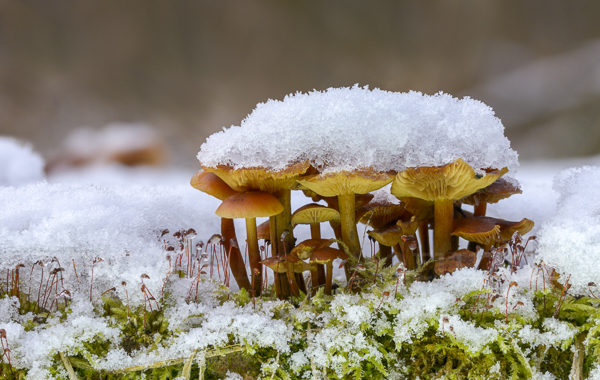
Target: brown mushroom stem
[
  {"x": 314, "y": 275},
  {"x": 409, "y": 258},
  {"x": 238, "y": 269},
  {"x": 398, "y": 253},
  {"x": 284, "y": 222},
  {"x": 329, "y": 278},
  {"x": 442, "y": 229},
  {"x": 282, "y": 288},
  {"x": 480, "y": 209},
  {"x": 386, "y": 253},
  {"x": 348, "y": 224},
  {"x": 292, "y": 279},
  {"x": 315, "y": 230},
  {"x": 254, "y": 253},
  {"x": 424, "y": 239},
  {"x": 322, "y": 277}
]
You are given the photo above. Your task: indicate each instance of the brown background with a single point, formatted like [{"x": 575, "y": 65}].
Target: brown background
[{"x": 192, "y": 67}]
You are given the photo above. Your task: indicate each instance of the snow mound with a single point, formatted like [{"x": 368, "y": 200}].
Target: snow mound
[
  {"x": 19, "y": 164},
  {"x": 354, "y": 128},
  {"x": 570, "y": 241}
]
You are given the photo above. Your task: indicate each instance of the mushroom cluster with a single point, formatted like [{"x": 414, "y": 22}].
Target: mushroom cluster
[{"x": 256, "y": 181}]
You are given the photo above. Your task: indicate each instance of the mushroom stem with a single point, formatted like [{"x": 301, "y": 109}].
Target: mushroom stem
[
  {"x": 442, "y": 230},
  {"x": 282, "y": 288},
  {"x": 424, "y": 239},
  {"x": 348, "y": 224},
  {"x": 254, "y": 253},
  {"x": 480, "y": 209},
  {"x": 329, "y": 278},
  {"x": 319, "y": 274},
  {"x": 386, "y": 253},
  {"x": 284, "y": 221},
  {"x": 238, "y": 269},
  {"x": 293, "y": 283},
  {"x": 314, "y": 275},
  {"x": 315, "y": 230}
]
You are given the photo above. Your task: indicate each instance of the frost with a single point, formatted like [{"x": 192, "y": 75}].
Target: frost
[
  {"x": 19, "y": 164},
  {"x": 570, "y": 240},
  {"x": 233, "y": 376},
  {"x": 556, "y": 333},
  {"x": 352, "y": 128},
  {"x": 474, "y": 338}
]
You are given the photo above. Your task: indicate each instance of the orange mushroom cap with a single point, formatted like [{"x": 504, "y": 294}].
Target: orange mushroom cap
[
  {"x": 211, "y": 184},
  {"x": 251, "y": 204}
]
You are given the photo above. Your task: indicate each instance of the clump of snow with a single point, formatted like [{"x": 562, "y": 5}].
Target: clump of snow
[
  {"x": 570, "y": 241},
  {"x": 19, "y": 164},
  {"x": 472, "y": 337},
  {"x": 120, "y": 225},
  {"x": 556, "y": 334},
  {"x": 354, "y": 128}
]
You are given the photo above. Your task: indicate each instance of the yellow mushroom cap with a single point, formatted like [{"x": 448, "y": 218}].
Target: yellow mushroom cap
[
  {"x": 211, "y": 184},
  {"x": 453, "y": 181},
  {"x": 278, "y": 263},
  {"x": 503, "y": 229},
  {"x": 307, "y": 247},
  {"x": 389, "y": 236},
  {"x": 381, "y": 215},
  {"x": 251, "y": 204},
  {"x": 260, "y": 178},
  {"x": 493, "y": 193},
  {"x": 420, "y": 208},
  {"x": 345, "y": 182},
  {"x": 482, "y": 231},
  {"x": 314, "y": 213},
  {"x": 326, "y": 255}
]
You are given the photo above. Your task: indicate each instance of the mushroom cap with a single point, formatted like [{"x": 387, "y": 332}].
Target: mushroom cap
[
  {"x": 456, "y": 260},
  {"x": 211, "y": 184},
  {"x": 382, "y": 214},
  {"x": 453, "y": 181},
  {"x": 388, "y": 236},
  {"x": 251, "y": 204},
  {"x": 483, "y": 231},
  {"x": 263, "y": 231},
  {"x": 420, "y": 208},
  {"x": 314, "y": 213},
  {"x": 304, "y": 249},
  {"x": 346, "y": 182},
  {"x": 493, "y": 193},
  {"x": 504, "y": 229},
  {"x": 260, "y": 178},
  {"x": 281, "y": 263},
  {"x": 326, "y": 255},
  {"x": 277, "y": 263}
]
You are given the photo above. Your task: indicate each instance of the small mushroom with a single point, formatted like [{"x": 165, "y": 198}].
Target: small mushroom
[
  {"x": 460, "y": 259},
  {"x": 326, "y": 256},
  {"x": 442, "y": 185},
  {"x": 495, "y": 192},
  {"x": 489, "y": 231},
  {"x": 250, "y": 205}
]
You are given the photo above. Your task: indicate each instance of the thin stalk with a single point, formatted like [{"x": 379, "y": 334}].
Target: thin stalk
[
  {"x": 329, "y": 278},
  {"x": 254, "y": 253},
  {"x": 442, "y": 233},
  {"x": 348, "y": 224}
]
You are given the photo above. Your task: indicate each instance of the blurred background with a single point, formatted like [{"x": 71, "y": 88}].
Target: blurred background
[{"x": 188, "y": 68}]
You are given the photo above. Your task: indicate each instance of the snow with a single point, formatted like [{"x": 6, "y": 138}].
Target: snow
[
  {"x": 19, "y": 164},
  {"x": 570, "y": 240},
  {"x": 357, "y": 128}
]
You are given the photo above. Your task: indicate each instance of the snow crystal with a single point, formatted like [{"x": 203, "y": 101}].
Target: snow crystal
[
  {"x": 570, "y": 241},
  {"x": 19, "y": 164},
  {"x": 233, "y": 376},
  {"x": 474, "y": 338},
  {"x": 556, "y": 333},
  {"x": 353, "y": 128}
]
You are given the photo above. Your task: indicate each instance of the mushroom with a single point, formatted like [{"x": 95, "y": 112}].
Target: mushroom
[
  {"x": 345, "y": 185},
  {"x": 250, "y": 205},
  {"x": 442, "y": 185},
  {"x": 211, "y": 184},
  {"x": 314, "y": 214},
  {"x": 305, "y": 249},
  {"x": 326, "y": 256},
  {"x": 277, "y": 183},
  {"x": 489, "y": 231},
  {"x": 381, "y": 215},
  {"x": 287, "y": 264},
  {"x": 495, "y": 192}
]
